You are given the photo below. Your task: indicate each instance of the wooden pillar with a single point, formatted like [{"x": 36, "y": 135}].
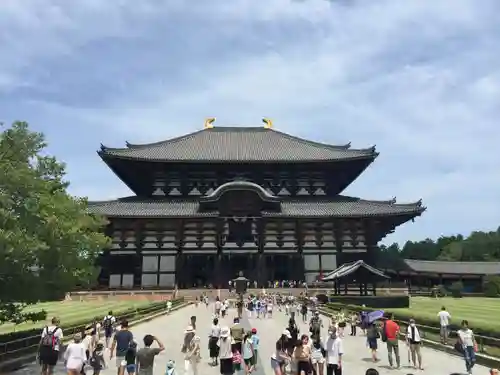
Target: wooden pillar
[
  {"x": 138, "y": 227},
  {"x": 180, "y": 272},
  {"x": 337, "y": 231}
]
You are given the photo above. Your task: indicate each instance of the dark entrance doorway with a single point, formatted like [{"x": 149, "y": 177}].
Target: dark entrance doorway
[
  {"x": 197, "y": 271},
  {"x": 232, "y": 264},
  {"x": 284, "y": 267}
]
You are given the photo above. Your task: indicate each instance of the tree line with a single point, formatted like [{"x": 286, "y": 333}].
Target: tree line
[{"x": 478, "y": 246}]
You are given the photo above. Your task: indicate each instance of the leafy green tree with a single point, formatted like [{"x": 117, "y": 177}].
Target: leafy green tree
[{"x": 48, "y": 241}]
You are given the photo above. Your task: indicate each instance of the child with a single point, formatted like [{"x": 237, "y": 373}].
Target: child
[
  {"x": 170, "y": 368},
  {"x": 130, "y": 357},
  {"x": 237, "y": 360},
  {"x": 255, "y": 341},
  {"x": 97, "y": 359},
  {"x": 248, "y": 352}
]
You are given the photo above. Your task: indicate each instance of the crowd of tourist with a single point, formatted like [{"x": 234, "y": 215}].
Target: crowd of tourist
[{"x": 233, "y": 349}]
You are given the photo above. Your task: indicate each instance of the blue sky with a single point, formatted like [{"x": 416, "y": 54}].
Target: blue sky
[{"x": 420, "y": 79}]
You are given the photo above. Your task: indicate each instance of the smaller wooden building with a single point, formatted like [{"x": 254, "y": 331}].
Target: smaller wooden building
[
  {"x": 355, "y": 273},
  {"x": 427, "y": 273}
]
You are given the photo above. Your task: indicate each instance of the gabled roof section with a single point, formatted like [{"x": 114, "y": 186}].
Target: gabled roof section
[
  {"x": 349, "y": 268},
  {"x": 237, "y": 144},
  {"x": 341, "y": 207},
  {"x": 454, "y": 268}
]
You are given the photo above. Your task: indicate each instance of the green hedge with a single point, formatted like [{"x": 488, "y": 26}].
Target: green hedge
[{"x": 31, "y": 337}]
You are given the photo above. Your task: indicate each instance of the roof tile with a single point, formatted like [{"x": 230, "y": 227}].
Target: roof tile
[
  {"x": 340, "y": 207},
  {"x": 226, "y": 144},
  {"x": 456, "y": 268}
]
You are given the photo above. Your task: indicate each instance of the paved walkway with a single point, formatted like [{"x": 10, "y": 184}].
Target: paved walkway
[{"x": 356, "y": 360}]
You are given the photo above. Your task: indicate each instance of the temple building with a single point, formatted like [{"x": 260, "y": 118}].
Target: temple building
[{"x": 227, "y": 199}]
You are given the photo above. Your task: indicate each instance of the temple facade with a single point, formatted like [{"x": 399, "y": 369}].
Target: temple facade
[{"x": 227, "y": 199}]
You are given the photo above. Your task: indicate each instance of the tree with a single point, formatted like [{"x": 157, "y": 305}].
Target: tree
[{"x": 48, "y": 242}]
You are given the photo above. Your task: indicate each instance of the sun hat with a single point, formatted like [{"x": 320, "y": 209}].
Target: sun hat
[
  {"x": 170, "y": 364},
  {"x": 224, "y": 332},
  {"x": 189, "y": 329}
]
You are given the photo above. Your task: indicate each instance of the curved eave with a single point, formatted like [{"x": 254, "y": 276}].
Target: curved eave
[
  {"x": 104, "y": 154},
  {"x": 240, "y": 185}
]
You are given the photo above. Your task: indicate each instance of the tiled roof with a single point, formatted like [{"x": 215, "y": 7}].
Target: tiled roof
[
  {"x": 457, "y": 268},
  {"x": 349, "y": 268},
  {"x": 238, "y": 144},
  {"x": 340, "y": 207}
]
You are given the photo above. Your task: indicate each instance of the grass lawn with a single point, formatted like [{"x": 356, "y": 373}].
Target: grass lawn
[
  {"x": 480, "y": 312},
  {"x": 70, "y": 312}
]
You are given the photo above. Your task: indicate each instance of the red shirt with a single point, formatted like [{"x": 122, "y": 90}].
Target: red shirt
[{"x": 391, "y": 329}]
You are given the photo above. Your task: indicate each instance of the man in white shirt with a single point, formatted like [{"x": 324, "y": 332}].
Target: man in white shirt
[
  {"x": 334, "y": 352},
  {"x": 444, "y": 322}
]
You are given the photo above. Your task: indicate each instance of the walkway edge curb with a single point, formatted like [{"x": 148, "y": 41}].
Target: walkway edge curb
[
  {"x": 481, "y": 358},
  {"x": 16, "y": 363}
]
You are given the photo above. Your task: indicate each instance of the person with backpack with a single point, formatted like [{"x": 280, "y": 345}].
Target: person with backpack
[
  {"x": 50, "y": 345},
  {"x": 108, "y": 324}
]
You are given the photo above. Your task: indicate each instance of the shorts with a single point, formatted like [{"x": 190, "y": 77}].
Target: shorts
[
  {"x": 275, "y": 363},
  {"x": 318, "y": 360},
  {"x": 121, "y": 362},
  {"x": 248, "y": 361},
  {"x": 48, "y": 356},
  {"x": 131, "y": 368},
  {"x": 372, "y": 344},
  {"x": 108, "y": 332}
]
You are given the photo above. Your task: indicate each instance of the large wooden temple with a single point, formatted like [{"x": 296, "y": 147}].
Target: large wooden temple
[{"x": 226, "y": 199}]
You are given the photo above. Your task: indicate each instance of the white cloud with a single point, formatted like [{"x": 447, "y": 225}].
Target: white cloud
[{"x": 418, "y": 78}]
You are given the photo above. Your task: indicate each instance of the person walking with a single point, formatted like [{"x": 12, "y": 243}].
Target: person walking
[
  {"x": 317, "y": 355},
  {"x": 334, "y": 352},
  {"x": 414, "y": 342},
  {"x": 469, "y": 346},
  {"x": 108, "y": 323},
  {"x": 74, "y": 356},
  {"x": 302, "y": 354},
  {"x": 121, "y": 341},
  {"x": 391, "y": 335},
  {"x": 193, "y": 356},
  {"x": 225, "y": 352},
  {"x": 248, "y": 353},
  {"x": 213, "y": 339},
  {"x": 372, "y": 336},
  {"x": 49, "y": 347},
  {"x": 256, "y": 343}
]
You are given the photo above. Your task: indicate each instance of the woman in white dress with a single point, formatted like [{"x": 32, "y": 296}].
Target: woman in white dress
[{"x": 74, "y": 356}]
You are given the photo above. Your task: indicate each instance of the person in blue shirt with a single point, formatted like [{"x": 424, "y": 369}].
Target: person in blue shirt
[{"x": 256, "y": 342}]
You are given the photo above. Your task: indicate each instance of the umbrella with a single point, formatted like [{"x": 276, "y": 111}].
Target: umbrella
[{"x": 375, "y": 315}]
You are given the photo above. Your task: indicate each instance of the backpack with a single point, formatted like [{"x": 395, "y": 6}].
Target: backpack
[
  {"x": 50, "y": 339},
  {"x": 107, "y": 323},
  {"x": 383, "y": 335}
]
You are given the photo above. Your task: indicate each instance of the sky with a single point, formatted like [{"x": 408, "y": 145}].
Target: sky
[{"x": 420, "y": 79}]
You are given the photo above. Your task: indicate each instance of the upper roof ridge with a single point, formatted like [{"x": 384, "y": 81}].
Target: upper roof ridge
[{"x": 242, "y": 129}]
